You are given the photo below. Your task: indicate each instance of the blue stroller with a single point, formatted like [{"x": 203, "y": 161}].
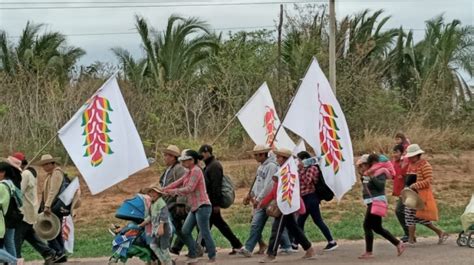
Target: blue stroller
[{"x": 130, "y": 241}]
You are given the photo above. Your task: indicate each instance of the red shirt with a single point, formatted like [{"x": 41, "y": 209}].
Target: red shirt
[
  {"x": 399, "y": 178},
  {"x": 308, "y": 178}
]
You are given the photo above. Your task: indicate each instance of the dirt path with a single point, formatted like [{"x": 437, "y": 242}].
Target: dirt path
[{"x": 426, "y": 252}]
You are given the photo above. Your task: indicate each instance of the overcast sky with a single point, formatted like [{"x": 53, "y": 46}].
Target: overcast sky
[{"x": 118, "y": 23}]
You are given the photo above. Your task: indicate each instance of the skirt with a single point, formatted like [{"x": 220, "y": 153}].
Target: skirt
[{"x": 411, "y": 219}]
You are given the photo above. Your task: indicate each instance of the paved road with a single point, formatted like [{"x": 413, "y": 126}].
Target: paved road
[{"x": 427, "y": 252}]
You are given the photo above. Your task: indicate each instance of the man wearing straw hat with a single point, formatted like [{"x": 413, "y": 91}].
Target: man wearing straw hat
[
  {"x": 51, "y": 189},
  {"x": 176, "y": 205},
  {"x": 262, "y": 186},
  {"x": 25, "y": 230}
]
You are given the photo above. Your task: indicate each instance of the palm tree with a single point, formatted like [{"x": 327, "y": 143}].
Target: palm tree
[
  {"x": 173, "y": 55},
  {"x": 40, "y": 53}
]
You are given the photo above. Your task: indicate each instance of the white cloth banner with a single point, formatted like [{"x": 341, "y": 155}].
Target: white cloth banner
[
  {"x": 68, "y": 194},
  {"x": 324, "y": 128},
  {"x": 68, "y": 234},
  {"x": 288, "y": 192},
  {"x": 259, "y": 118},
  {"x": 102, "y": 140},
  {"x": 299, "y": 147}
]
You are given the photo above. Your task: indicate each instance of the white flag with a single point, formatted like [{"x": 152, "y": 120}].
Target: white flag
[
  {"x": 288, "y": 192},
  {"x": 68, "y": 234},
  {"x": 260, "y": 120},
  {"x": 102, "y": 140},
  {"x": 317, "y": 117},
  {"x": 68, "y": 194},
  {"x": 299, "y": 147}
]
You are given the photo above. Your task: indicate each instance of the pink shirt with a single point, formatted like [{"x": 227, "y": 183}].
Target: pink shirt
[{"x": 193, "y": 186}]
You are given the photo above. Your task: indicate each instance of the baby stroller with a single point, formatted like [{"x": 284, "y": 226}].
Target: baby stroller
[
  {"x": 466, "y": 237},
  {"x": 130, "y": 241}
]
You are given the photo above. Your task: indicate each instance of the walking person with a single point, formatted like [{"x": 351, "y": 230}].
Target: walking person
[
  {"x": 176, "y": 205},
  {"x": 284, "y": 221},
  {"x": 159, "y": 218},
  {"x": 24, "y": 230},
  {"x": 193, "y": 186},
  {"x": 214, "y": 174},
  {"x": 309, "y": 175},
  {"x": 6, "y": 197},
  {"x": 423, "y": 172},
  {"x": 51, "y": 190},
  {"x": 400, "y": 165},
  {"x": 12, "y": 222},
  {"x": 374, "y": 175}
]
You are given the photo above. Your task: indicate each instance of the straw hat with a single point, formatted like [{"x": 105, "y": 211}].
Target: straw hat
[
  {"x": 47, "y": 227},
  {"x": 14, "y": 162},
  {"x": 363, "y": 159},
  {"x": 260, "y": 149},
  {"x": 283, "y": 152},
  {"x": 45, "y": 159},
  {"x": 411, "y": 199},
  {"x": 414, "y": 150},
  {"x": 172, "y": 150},
  {"x": 155, "y": 187}
]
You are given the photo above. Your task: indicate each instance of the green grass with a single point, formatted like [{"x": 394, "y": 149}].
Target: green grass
[{"x": 93, "y": 240}]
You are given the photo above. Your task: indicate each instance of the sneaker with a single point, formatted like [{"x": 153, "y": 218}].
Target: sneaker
[
  {"x": 245, "y": 253},
  {"x": 49, "y": 260},
  {"x": 404, "y": 239},
  {"x": 60, "y": 259},
  {"x": 287, "y": 251},
  {"x": 330, "y": 247},
  {"x": 268, "y": 259},
  {"x": 294, "y": 246}
]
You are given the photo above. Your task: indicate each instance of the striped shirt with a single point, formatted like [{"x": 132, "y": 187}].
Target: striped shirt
[
  {"x": 193, "y": 186},
  {"x": 424, "y": 174}
]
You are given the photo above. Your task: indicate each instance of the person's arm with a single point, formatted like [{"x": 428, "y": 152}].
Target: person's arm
[
  {"x": 4, "y": 197},
  {"x": 55, "y": 185},
  {"x": 25, "y": 181},
  {"x": 180, "y": 171},
  {"x": 378, "y": 182},
  {"x": 272, "y": 170},
  {"x": 216, "y": 175},
  {"x": 310, "y": 175},
  {"x": 174, "y": 185},
  {"x": 194, "y": 179},
  {"x": 427, "y": 173},
  {"x": 270, "y": 196}
]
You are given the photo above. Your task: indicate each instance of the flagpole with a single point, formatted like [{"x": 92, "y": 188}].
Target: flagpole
[
  {"x": 223, "y": 130},
  {"x": 42, "y": 149}
]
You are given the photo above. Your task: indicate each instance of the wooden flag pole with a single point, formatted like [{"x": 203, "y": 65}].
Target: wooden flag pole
[
  {"x": 223, "y": 130},
  {"x": 42, "y": 149}
]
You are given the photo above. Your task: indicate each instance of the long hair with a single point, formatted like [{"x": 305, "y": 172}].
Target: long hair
[{"x": 7, "y": 168}]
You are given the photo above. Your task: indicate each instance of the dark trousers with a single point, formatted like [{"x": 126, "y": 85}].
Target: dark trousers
[
  {"x": 294, "y": 231},
  {"x": 219, "y": 222},
  {"x": 178, "y": 221},
  {"x": 400, "y": 212},
  {"x": 373, "y": 223},
  {"x": 311, "y": 202},
  {"x": 25, "y": 231},
  {"x": 58, "y": 243}
]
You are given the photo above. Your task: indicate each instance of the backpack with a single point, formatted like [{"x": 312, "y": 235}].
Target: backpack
[
  {"x": 13, "y": 215},
  {"x": 228, "y": 192},
  {"x": 58, "y": 207},
  {"x": 322, "y": 190}
]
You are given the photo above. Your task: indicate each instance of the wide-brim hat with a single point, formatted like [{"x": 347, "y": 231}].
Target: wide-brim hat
[
  {"x": 14, "y": 162},
  {"x": 283, "y": 152},
  {"x": 45, "y": 159},
  {"x": 47, "y": 227},
  {"x": 189, "y": 154},
  {"x": 155, "y": 187},
  {"x": 260, "y": 149},
  {"x": 172, "y": 150},
  {"x": 414, "y": 150},
  {"x": 411, "y": 199}
]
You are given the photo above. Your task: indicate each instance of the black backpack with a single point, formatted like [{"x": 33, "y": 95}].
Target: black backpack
[
  {"x": 13, "y": 216},
  {"x": 322, "y": 190}
]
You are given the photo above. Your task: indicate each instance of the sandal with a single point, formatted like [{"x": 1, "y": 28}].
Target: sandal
[
  {"x": 366, "y": 255},
  {"x": 400, "y": 249},
  {"x": 443, "y": 238}
]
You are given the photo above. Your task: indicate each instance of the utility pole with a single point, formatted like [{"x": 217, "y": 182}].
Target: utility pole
[{"x": 332, "y": 45}]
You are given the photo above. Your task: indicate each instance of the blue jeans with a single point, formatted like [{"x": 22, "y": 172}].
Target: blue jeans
[
  {"x": 10, "y": 241},
  {"x": 311, "y": 202},
  {"x": 200, "y": 217},
  {"x": 6, "y": 257},
  {"x": 259, "y": 220},
  {"x": 57, "y": 244}
]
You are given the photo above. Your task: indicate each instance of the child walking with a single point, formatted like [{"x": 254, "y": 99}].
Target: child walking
[{"x": 160, "y": 234}]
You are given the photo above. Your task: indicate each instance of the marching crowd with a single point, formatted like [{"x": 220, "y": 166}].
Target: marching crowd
[{"x": 189, "y": 196}]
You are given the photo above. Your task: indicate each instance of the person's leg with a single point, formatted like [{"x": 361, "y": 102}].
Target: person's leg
[
  {"x": 10, "y": 241},
  {"x": 163, "y": 254},
  {"x": 259, "y": 219},
  {"x": 5, "y": 256},
  {"x": 177, "y": 221},
  {"x": 315, "y": 212},
  {"x": 225, "y": 230},
  {"x": 400, "y": 213},
  {"x": 377, "y": 227},
  {"x": 187, "y": 234},
  {"x": 21, "y": 232},
  {"x": 285, "y": 242},
  {"x": 39, "y": 245},
  {"x": 202, "y": 218},
  {"x": 295, "y": 231},
  {"x": 369, "y": 235},
  {"x": 410, "y": 222},
  {"x": 275, "y": 238}
]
